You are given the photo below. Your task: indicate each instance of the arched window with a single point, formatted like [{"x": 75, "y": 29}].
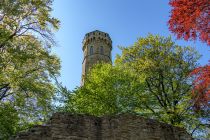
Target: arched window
[
  {"x": 101, "y": 50},
  {"x": 91, "y": 50}
]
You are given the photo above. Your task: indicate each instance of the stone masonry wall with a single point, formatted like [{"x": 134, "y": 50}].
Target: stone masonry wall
[{"x": 65, "y": 126}]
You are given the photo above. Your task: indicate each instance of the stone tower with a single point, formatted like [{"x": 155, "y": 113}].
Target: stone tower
[{"x": 96, "y": 47}]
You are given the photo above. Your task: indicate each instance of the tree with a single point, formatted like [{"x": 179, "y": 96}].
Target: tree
[
  {"x": 190, "y": 19},
  {"x": 8, "y": 121},
  {"x": 22, "y": 18},
  {"x": 201, "y": 97},
  {"x": 26, "y": 64},
  {"x": 201, "y": 85},
  {"x": 107, "y": 90},
  {"x": 163, "y": 68}
]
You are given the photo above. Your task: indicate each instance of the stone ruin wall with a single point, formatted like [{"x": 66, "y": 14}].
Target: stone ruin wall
[{"x": 65, "y": 126}]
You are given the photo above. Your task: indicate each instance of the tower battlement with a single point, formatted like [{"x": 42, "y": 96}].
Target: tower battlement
[
  {"x": 96, "y": 36},
  {"x": 97, "y": 47}
]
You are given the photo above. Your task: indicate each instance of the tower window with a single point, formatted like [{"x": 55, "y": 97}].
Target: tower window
[
  {"x": 91, "y": 50},
  {"x": 101, "y": 50}
]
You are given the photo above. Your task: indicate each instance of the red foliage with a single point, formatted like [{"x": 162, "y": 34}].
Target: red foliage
[
  {"x": 201, "y": 91},
  {"x": 190, "y": 19}
]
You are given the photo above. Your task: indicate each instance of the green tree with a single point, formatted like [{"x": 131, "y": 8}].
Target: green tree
[
  {"x": 164, "y": 68},
  {"x": 26, "y": 64},
  {"x": 8, "y": 126},
  {"x": 21, "y": 18},
  {"x": 107, "y": 90}
]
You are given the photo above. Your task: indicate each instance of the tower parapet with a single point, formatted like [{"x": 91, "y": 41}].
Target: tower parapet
[{"x": 97, "y": 47}]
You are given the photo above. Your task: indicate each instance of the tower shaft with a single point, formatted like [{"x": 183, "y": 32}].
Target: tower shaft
[{"x": 96, "y": 48}]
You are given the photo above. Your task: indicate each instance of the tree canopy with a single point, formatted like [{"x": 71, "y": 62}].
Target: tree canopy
[
  {"x": 107, "y": 91},
  {"x": 163, "y": 68},
  {"x": 190, "y": 19},
  {"x": 27, "y": 65},
  {"x": 22, "y": 18}
]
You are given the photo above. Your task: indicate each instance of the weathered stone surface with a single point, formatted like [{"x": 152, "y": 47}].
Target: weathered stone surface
[{"x": 65, "y": 126}]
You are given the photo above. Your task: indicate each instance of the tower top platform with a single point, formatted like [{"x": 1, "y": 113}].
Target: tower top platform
[{"x": 96, "y": 35}]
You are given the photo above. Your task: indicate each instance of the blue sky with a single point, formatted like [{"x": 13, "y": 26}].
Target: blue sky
[{"x": 124, "y": 20}]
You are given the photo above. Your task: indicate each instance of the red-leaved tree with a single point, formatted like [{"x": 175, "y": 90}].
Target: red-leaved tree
[
  {"x": 190, "y": 19},
  {"x": 201, "y": 84}
]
